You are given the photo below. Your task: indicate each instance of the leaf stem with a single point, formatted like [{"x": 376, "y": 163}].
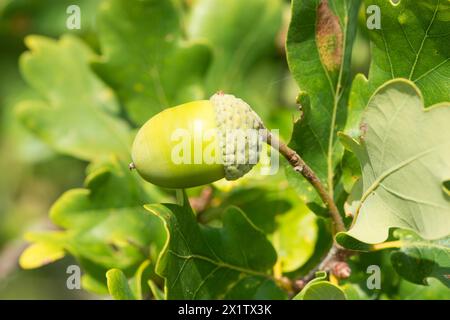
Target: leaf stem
[
  {"x": 301, "y": 167},
  {"x": 386, "y": 245},
  {"x": 179, "y": 196}
]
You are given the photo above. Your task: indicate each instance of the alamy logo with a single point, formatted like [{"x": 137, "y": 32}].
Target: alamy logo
[
  {"x": 74, "y": 19},
  {"x": 374, "y": 17},
  {"x": 243, "y": 146},
  {"x": 374, "y": 280},
  {"x": 73, "y": 281}
]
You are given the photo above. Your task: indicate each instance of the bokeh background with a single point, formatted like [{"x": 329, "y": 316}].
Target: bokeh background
[{"x": 32, "y": 176}]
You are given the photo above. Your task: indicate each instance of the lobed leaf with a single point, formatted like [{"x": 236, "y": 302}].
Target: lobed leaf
[
  {"x": 412, "y": 44},
  {"x": 275, "y": 208},
  {"x": 146, "y": 58},
  {"x": 78, "y": 114},
  {"x": 201, "y": 262},
  {"x": 404, "y": 165},
  {"x": 102, "y": 230}
]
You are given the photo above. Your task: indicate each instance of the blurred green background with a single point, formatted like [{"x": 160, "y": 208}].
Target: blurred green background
[{"x": 32, "y": 176}]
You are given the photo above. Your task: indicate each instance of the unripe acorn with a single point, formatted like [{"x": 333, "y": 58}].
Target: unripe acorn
[{"x": 204, "y": 127}]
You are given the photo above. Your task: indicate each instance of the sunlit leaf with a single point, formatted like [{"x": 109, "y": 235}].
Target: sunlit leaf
[
  {"x": 411, "y": 43},
  {"x": 39, "y": 254},
  {"x": 404, "y": 164}
]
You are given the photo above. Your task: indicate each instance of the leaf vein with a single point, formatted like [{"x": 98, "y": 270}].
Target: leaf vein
[{"x": 423, "y": 41}]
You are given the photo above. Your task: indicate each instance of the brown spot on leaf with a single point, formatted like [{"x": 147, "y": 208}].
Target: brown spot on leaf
[{"x": 328, "y": 37}]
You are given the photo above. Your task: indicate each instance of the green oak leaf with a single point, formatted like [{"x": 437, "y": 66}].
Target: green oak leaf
[
  {"x": 242, "y": 35},
  {"x": 319, "y": 47},
  {"x": 121, "y": 288},
  {"x": 146, "y": 58},
  {"x": 102, "y": 230},
  {"x": 412, "y": 43},
  {"x": 435, "y": 290},
  {"x": 404, "y": 163},
  {"x": 47, "y": 17},
  {"x": 323, "y": 244},
  {"x": 320, "y": 289},
  {"x": 295, "y": 237},
  {"x": 200, "y": 262},
  {"x": 118, "y": 286},
  {"x": 350, "y": 171},
  {"x": 353, "y": 291},
  {"x": 274, "y": 207},
  {"x": 140, "y": 279},
  {"x": 419, "y": 259},
  {"x": 364, "y": 278},
  {"x": 255, "y": 288},
  {"x": 352, "y": 202},
  {"x": 157, "y": 293},
  {"x": 78, "y": 114}
]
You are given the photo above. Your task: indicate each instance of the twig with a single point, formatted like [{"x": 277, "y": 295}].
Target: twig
[
  {"x": 301, "y": 167},
  {"x": 9, "y": 255},
  {"x": 202, "y": 202},
  {"x": 334, "y": 261}
]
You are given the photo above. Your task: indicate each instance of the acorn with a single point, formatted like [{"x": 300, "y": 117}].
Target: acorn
[{"x": 198, "y": 142}]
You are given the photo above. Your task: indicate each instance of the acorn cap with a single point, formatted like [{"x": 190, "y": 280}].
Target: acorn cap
[{"x": 238, "y": 134}]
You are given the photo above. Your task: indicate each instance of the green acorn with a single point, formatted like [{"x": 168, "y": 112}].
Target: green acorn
[{"x": 197, "y": 143}]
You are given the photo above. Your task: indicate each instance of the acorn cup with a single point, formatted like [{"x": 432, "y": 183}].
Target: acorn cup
[{"x": 199, "y": 142}]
